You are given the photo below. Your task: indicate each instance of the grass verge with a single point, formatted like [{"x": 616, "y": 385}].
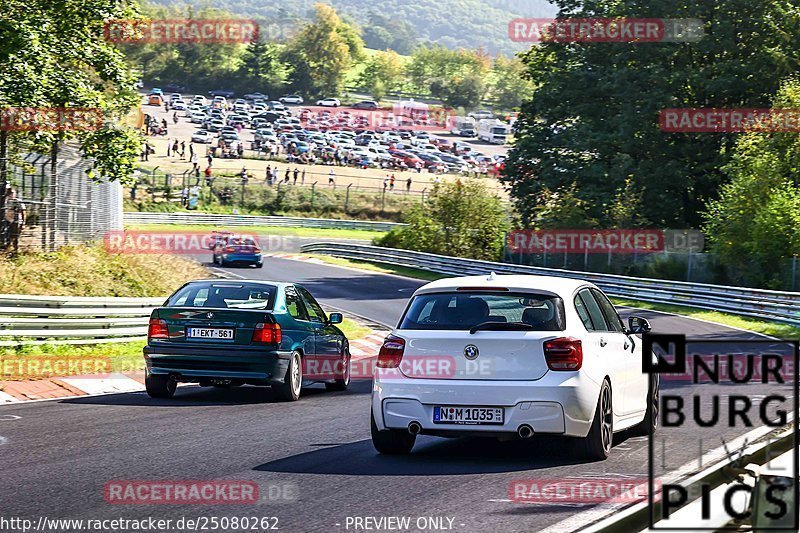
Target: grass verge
[
  {"x": 775, "y": 329},
  {"x": 91, "y": 271},
  {"x": 321, "y": 233}
]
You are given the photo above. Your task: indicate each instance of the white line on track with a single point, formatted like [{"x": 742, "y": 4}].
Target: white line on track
[{"x": 8, "y": 418}]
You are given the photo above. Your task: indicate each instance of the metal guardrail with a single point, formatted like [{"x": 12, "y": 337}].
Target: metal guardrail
[
  {"x": 253, "y": 220},
  {"x": 73, "y": 320},
  {"x": 757, "y": 303}
]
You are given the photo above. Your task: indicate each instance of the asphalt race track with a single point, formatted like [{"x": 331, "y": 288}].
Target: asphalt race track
[{"x": 58, "y": 455}]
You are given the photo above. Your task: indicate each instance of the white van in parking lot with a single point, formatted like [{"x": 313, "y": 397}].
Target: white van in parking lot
[{"x": 512, "y": 355}]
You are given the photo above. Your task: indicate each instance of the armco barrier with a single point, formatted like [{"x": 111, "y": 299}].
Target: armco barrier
[
  {"x": 252, "y": 220},
  {"x": 72, "y": 320},
  {"x": 769, "y": 305}
]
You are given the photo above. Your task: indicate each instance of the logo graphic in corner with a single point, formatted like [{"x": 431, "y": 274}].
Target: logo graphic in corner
[{"x": 471, "y": 352}]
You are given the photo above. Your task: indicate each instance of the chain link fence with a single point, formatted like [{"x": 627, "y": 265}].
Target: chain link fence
[{"x": 62, "y": 204}]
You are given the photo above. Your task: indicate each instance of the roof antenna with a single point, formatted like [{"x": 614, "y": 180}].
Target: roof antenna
[{"x": 491, "y": 276}]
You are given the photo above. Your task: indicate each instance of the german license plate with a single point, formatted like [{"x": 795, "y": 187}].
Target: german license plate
[
  {"x": 220, "y": 334},
  {"x": 444, "y": 414}
]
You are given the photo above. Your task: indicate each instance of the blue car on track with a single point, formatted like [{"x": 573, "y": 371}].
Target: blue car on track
[{"x": 237, "y": 250}]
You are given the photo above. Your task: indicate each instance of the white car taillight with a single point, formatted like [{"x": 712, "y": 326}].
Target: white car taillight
[
  {"x": 563, "y": 353},
  {"x": 391, "y": 353}
]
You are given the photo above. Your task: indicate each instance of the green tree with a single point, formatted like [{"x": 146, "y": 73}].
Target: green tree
[
  {"x": 562, "y": 208},
  {"x": 511, "y": 85},
  {"x": 321, "y": 54},
  {"x": 383, "y": 73},
  {"x": 457, "y": 77},
  {"x": 754, "y": 226},
  {"x": 63, "y": 61},
  {"x": 593, "y": 118},
  {"x": 261, "y": 68},
  {"x": 384, "y": 32},
  {"x": 459, "y": 219}
]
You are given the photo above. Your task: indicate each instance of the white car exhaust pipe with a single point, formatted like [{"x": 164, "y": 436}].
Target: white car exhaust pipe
[
  {"x": 414, "y": 428},
  {"x": 525, "y": 431}
]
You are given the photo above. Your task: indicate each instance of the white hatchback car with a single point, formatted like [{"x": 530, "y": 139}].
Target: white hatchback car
[
  {"x": 512, "y": 355},
  {"x": 329, "y": 102}
]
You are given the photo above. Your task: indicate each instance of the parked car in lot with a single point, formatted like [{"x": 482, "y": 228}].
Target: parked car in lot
[
  {"x": 291, "y": 99},
  {"x": 215, "y": 125},
  {"x": 366, "y": 104},
  {"x": 512, "y": 356},
  {"x": 227, "y": 333},
  {"x": 253, "y": 97},
  {"x": 222, "y": 92},
  {"x": 329, "y": 102},
  {"x": 202, "y": 136},
  {"x": 228, "y": 138},
  {"x": 481, "y": 114}
]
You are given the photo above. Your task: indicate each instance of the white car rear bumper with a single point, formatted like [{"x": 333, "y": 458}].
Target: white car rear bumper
[{"x": 559, "y": 403}]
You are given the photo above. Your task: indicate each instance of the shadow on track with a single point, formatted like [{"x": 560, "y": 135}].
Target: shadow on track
[
  {"x": 431, "y": 457},
  {"x": 194, "y": 396}
]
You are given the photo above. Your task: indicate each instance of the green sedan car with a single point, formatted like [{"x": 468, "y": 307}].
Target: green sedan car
[{"x": 227, "y": 333}]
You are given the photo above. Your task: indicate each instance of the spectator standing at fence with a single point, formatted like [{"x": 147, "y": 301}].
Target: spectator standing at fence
[
  {"x": 183, "y": 149},
  {"x": 268, "y": 176},
  {"x": 175, "y": 148},
  {"x": 286, "y": 176},
  {"x": 408, "y": 185},
  {"x": 385, "y": 183},
  {"x": 210, "y": 159},
  {"x": 303, "y": 178},
  {"x": 185, "y": 196},
  {"x": 194, "y": 161},
  {"x": 196, "y": 175},
  {"x": 391, "y": 183},
  {"x": 332, "y": 178},
  {"x": 240, "y": 150},
  {"x": 296, "y": 174},
  {"x": 14, "y": 219},
  {"x": 191, "y": 151},
  {"x": 145, "y": 152},
  {"x": 169, "y": 147}
]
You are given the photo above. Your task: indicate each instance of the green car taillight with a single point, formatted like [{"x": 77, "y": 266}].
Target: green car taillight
[
  {"x": 267, "y": 333},
  {"x": 158, "y": 329}
]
